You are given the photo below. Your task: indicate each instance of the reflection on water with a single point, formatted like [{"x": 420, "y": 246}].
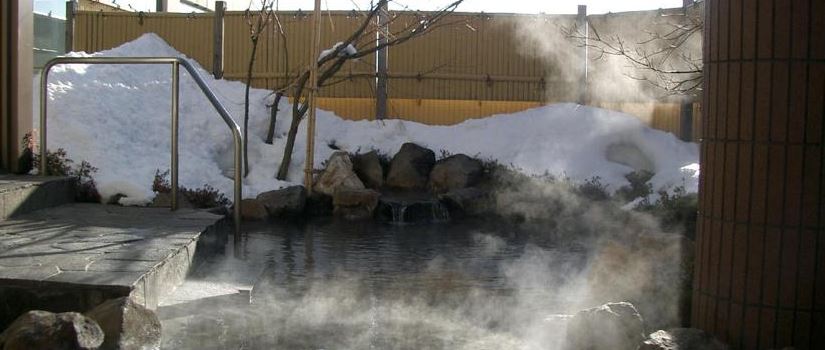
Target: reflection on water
[{"x": 339, "y": 285}]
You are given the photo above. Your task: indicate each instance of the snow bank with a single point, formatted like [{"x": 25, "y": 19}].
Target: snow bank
[{"x": 117, "y": 118}]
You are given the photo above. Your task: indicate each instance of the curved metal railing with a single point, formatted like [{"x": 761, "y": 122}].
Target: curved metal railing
[{"x": 176, "y": 62}]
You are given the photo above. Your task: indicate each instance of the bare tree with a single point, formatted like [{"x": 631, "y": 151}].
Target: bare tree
[
  {"x": 661, "y": 59},
  {"x": 257, "y": 23},
  {"x": 359, "y": 44}
]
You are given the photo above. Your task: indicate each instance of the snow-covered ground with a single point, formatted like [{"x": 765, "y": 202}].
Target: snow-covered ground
[{"x": 118, "y": 118}]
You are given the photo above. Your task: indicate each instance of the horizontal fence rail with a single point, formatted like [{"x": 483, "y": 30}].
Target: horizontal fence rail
[{"x": 175, "y": 62}]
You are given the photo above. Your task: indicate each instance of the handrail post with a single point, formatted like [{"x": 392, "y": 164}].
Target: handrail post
[
  {"x": 176, "y": 62},
  {"x": 175, "y": 120},
  {"x": 44, "y": 78}
]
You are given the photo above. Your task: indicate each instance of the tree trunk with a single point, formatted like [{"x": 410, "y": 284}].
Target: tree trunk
[
  {"x": 290, "y": 143},
  {"x": 270, "y": 134},
  {"x": 246, "y": 108}
]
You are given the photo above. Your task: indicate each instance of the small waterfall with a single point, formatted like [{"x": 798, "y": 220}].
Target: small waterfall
[
  {"x": 398, "y": 210},
  {"x": 440, "y": 212},
  {"x": 404, "y": 210}
]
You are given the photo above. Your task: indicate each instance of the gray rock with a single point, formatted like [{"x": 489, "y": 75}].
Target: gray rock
[
  {"x": 286, "y": 201},
  {"x": 368, "y": 168},
  {"x": 164, "y": 200},
  {"x": 127, "y": 325},
  {"x": 45, "y": 330},
  {"x": 410, "y": 167},
  {"x": 253, "y": 209},
  {"x": 337, "y": 175},
  {"x": 612, "y": 326},
  {"x": 682, "y": 339},
  {"x": 630, "y": 155},
  {"x": 468, "y": 201},
  {"x": 455, "y": 172},
  {"x": 355, "y": 204}
]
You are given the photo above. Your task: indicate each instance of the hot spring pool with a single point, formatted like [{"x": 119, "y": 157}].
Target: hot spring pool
[{"x": 329, "y": 284}]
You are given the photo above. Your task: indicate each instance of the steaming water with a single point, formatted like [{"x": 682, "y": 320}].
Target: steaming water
[{"x": 337, "y": 285}]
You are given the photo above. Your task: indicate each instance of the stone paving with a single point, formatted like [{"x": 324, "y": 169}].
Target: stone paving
[{"x": 77, "y": 255}]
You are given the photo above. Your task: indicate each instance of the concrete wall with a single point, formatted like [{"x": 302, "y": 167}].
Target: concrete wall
[{"x": 760, "y": 258}]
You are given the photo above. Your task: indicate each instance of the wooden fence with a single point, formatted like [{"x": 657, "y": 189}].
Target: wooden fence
[{"x": 469, "y": 69}]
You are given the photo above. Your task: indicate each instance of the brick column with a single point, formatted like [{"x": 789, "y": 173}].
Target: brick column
[{"x": 760, "y": 262}]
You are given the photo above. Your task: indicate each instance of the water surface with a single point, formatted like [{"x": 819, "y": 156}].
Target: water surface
[{"x": 328, "y": 284}]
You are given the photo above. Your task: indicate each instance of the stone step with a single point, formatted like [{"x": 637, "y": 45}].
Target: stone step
[
  {"x": 75, "y": 256},
  {"x": 21, "y": 194}
]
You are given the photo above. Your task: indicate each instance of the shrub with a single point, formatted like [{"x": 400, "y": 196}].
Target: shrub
[
  {"x": 202, "y": 197},
  {"x": 676, "y": 211},
  {"x": 58, "y": 163},
  {"x": 638, "y": 187},
  {"x": 593, "y": 189}
]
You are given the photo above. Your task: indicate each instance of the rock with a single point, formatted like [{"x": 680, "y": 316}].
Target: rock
[
  {"x": 164, "y": 200},
  {"x": 318, "y": 204},
  {"x": 355, "y": 204},
  {"x": 468, "y": 201},
  {"x": 410, "y": 167},
  {"x": 288, "y": 201},
  {"x": 253, "y": 209},
  {"x": 682, "y": 339},
  {"x": 45, "y": 330},
  {"x": 612, "y": 326},
  {"x": 455, "y": 172},
  {"x": 368, "y": 168},
  {"x": 630, "y": 155},
  {"x": 127, "y": 325},
  {"x": 652, "y": 269},
  {"x": 337, "y": 175}
]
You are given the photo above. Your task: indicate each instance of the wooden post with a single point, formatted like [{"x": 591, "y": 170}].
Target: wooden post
[
  {"x": 581, "y": 24},
  {"x": 71, "y": 10},
  {"x": 217, "y": 46},
  {"x": 686, "y": 109},
  {"x": 313, "y": 91},
  {"x": 686, "y": 121},
  {"x": 381, "y": 65},
  {"x": 16, "y": 66}
]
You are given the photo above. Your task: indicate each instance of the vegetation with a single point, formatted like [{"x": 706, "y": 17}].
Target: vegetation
[
  {"x": 59, "y": 164},
  {"x": 202, "y": 197},
  {"x": 362, "y": 40}
]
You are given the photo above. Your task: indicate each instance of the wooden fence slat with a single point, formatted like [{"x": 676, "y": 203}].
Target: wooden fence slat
[{"x": 467, "y": 70}]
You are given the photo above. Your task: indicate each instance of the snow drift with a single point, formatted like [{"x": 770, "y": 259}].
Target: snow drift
[{"x": 118, "y": 118}]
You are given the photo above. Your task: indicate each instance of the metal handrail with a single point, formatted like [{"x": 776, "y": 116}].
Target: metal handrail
[{"x": 176, "y": 62}]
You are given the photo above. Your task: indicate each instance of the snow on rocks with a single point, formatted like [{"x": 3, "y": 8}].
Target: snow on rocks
[{"x": 118, "y": 118}]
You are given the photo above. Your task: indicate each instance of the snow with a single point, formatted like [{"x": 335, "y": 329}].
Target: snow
[
  {"x": 349, "y": 50},
  {"x": 118, "y": 118}
]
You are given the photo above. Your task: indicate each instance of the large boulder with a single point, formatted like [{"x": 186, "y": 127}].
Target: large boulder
[
  {"x": 368, "y": 168},
  {"x": 45, "y": 330},
  {"x": 468, "y": 201},
  {"x": 337, "y": 175},
  {"x": 682, "y": 339},
  {"x": 455, "y": 172},
  {"x": 287, "y": 201},
  {"x": 612, "y": 326},
  {"x": 355, "y": 204},
  {"x": 253, "y": 209},
  {"x": 164, "y": 200},
  {"x": 127, "y": 325},
  {"x": 410, "y": 167},
  {"x": 652, "y": 269}
]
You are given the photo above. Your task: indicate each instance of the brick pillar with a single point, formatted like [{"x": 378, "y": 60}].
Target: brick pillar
[{"x": 760, "y": 262}]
